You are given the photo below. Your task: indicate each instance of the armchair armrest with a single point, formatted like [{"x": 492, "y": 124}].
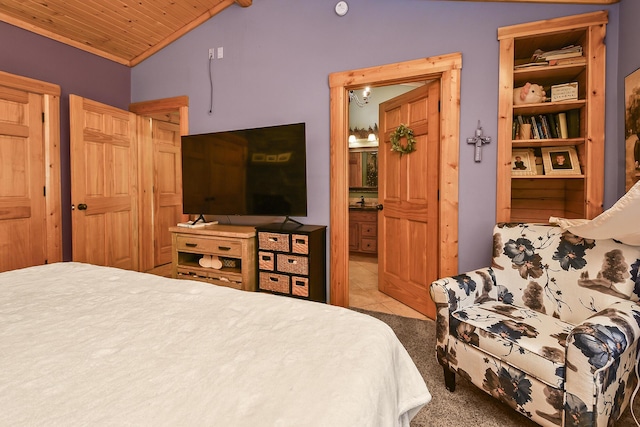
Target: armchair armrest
[
  {"x": 600, "y": 363},
  {"x": 452, "y": 293},
  {"x": 460, "y": 291}
]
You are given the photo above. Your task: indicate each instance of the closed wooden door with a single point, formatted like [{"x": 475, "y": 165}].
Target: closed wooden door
[
  {"x": 22, "y": 180},
  {"x": 103, "y": 184},
  {"x": 408, "y": 254},
  {"x": 167, "y": 191}
]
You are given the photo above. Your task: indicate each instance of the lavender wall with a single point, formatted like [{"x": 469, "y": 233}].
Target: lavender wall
[
  {"x": 278, "y": 55},
  {"x": 76, "y": 72}
]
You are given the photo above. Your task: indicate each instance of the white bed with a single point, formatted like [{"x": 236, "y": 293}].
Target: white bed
[{"x": 88, "y": 345}]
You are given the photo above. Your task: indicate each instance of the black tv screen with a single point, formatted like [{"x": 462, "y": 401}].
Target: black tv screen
[{"x": 260, "y": 171}]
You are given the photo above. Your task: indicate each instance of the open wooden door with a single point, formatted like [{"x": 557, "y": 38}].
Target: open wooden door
[
  {"x": 104, "y": 184},
  {"x": 408, "y": 249},
  {"x": 22, "y": 180},
  {"x": 167, "y": 192}
]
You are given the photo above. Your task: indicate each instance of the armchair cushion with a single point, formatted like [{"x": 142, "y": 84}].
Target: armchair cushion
[
  {"x": 561, "y": 274},
  {"x": 518, "y": 336}
]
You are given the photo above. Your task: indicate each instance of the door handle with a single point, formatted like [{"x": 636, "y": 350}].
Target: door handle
[
  {"x": 379, "y": 207},
  {"x": 82, "y": 207}
]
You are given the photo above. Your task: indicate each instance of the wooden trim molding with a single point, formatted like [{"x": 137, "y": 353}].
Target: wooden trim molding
[
  {"x": 447, "y": 68},
  {"x": 53, "y": 172},
  {"x": 174, "y": 109}
]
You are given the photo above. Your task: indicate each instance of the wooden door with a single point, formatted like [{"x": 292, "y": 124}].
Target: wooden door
[
  {"x": 103, "y": 184},
  {"x": 23, "y": 233},
  {"x": 408, "y": 254},
  {"x": 167, "y": 191}
]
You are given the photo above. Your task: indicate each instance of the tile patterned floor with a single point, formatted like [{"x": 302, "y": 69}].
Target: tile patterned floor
[{"x": 364, "y": 293}]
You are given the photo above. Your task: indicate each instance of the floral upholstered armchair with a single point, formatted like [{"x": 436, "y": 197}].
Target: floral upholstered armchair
[{"x": 551, "y": 328}]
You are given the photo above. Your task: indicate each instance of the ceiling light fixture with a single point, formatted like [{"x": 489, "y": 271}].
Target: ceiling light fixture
[{"x": 366, "y": 95}]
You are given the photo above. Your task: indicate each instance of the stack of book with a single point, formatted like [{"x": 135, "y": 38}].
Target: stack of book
[
  {"x": 571, "y": 51},
  {"x": 567, "y": 55},
  {"x": 551, "y": 125}
]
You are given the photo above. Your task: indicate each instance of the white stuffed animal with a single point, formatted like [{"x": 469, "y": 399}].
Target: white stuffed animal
[{"x": 530, "y": 93}]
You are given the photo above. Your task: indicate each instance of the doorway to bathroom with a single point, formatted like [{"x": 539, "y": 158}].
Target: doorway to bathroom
[{"x": 446, "y": 68}]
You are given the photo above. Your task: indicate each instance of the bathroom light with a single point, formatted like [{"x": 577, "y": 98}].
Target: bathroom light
[
  {"x": 352, "y": 138},
  {"x": 366, "y": 95}
]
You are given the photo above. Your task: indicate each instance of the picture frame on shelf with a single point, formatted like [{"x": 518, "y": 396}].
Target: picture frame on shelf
[
  {"x": 523, "y": 162},
  {"x": 560, "y": 161}
]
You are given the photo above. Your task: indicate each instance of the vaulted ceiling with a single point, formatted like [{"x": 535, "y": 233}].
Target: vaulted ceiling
[
  {"x": 124, "y": 31},
  {"x": 129, "y": 31}
]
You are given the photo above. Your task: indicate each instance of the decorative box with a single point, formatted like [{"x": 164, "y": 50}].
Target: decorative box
[{"x": 564, "y": 92}]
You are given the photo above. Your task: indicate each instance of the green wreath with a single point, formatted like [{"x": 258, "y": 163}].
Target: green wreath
[{"x": 403, "y": 132}]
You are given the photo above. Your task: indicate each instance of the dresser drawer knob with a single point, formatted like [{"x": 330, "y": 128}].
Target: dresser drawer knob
[
  {"x": 224, "y": 248},
  {"x": 191, "y": 245}
]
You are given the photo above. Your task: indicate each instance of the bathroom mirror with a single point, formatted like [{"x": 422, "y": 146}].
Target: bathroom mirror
[{"x": 363, "y": 169}]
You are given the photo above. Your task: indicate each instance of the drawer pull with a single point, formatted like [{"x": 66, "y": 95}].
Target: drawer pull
[
  {"x": 191, "y": 245},
  {"x": 292, "y": 261},
  {"x": 266, "y": 258},
  {"x": 300, "y": 241},
  {"x": 273, "y": 239},
  {"x": 299, "y": 283},
  {"x": 273, "y": 279},
  {"x": 224, "y": 248}
]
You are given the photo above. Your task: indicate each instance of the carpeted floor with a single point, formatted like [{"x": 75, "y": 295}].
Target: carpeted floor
[{"x": 468, "y": 405}]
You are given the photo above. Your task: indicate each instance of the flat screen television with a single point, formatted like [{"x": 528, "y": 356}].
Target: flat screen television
[{"x": 259, "y": 171}]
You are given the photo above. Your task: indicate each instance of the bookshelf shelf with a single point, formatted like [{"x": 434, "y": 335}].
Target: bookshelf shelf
[
  {"x": 537, "y": 197},
  {"x": 549, "y": 177},
  {"x": 548, "y": 107},
  {"x": 552, "y": 142},
  {"x": 548, "y": 74}
]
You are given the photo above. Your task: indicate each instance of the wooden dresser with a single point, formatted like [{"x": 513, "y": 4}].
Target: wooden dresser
[{"x": 234, "y": 245}]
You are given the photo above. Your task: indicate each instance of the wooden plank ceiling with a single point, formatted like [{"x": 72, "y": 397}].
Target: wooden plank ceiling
[
  {"x": 124, "y": 31},
  {"x": 129, "y": 31}
]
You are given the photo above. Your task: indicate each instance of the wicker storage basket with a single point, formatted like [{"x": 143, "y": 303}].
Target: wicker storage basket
[
  {"x": 266, "y": 260},
  {"x": 274, "y": 282},
  {"x": 273, "y": 241},
  {"x": 300, "y": 244},
  {"x": 293, "y": 264},
  {"x": 300, "y": 286}
]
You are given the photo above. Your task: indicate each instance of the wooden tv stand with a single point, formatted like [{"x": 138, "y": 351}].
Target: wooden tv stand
[{"x": 234, "y": 244}]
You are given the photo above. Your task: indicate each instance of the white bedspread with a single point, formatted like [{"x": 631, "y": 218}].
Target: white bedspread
[{"x": 92, "y": 346}]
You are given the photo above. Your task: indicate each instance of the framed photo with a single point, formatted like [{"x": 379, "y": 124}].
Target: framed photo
[
  {"x": 560, "y": 161},
  {"x": 523, "y": 162}
]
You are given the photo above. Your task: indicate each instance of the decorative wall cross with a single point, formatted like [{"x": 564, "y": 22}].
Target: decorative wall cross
[{"x": 478, "y": 140}]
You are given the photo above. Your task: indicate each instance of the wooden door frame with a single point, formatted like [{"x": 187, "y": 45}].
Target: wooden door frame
[
  {"x": 166, "y": 109},
  {"x": 51, "y": 136},
  {"x": 447, "y": 68}
]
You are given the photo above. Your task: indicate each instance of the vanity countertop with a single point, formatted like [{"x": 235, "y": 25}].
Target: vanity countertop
[{"x": 363, "y": 208}]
